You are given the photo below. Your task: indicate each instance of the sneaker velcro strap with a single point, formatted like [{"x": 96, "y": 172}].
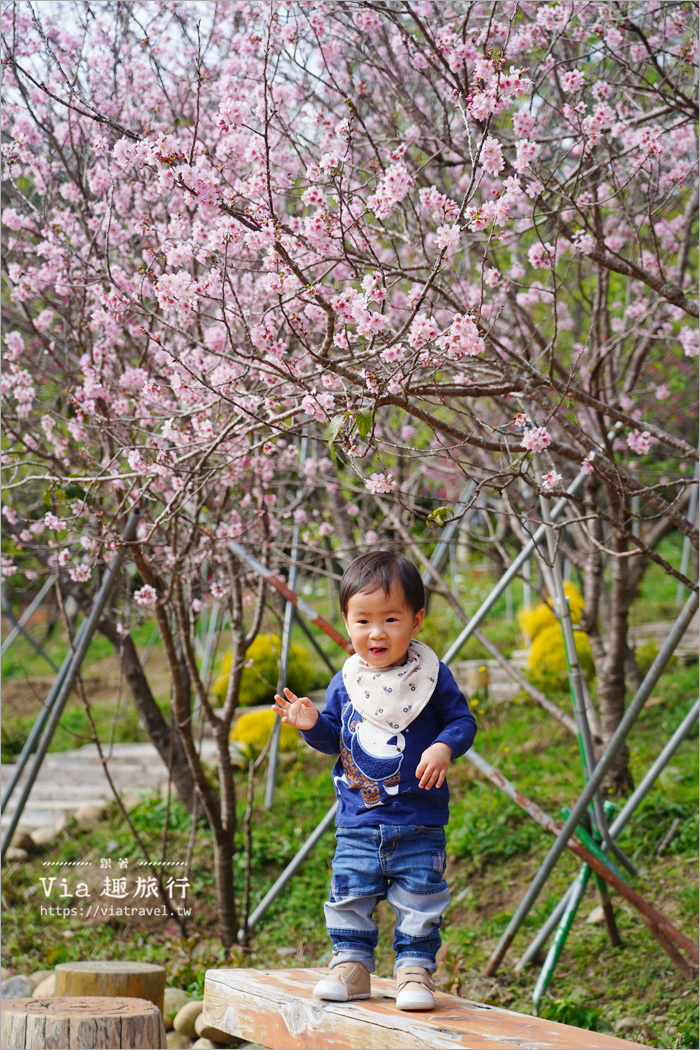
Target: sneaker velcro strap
[{"x": 416, "y": 976}]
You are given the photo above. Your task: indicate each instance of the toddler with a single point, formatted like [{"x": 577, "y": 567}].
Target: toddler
[{"x": 396, "y": 717}]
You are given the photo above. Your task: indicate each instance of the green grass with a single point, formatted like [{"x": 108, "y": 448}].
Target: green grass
[{"x": 494, "y": 850}]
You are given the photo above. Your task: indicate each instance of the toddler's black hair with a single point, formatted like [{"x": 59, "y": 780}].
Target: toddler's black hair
[{"x": 381, "y": 569}]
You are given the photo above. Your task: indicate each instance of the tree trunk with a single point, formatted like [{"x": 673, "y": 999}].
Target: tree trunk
[
  {"x": 225, "y": 898},
  {"x": 611, "y": 673},
  {"x": 157, "y": 728}
]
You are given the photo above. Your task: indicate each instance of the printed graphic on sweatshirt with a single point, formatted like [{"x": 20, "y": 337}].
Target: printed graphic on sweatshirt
[{"x": 371, "y": 757}]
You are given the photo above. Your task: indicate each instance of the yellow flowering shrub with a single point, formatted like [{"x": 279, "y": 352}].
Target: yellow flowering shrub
[
  {"x": 540, "y": 616},
  {"x": 259, "y": 678},
  {"x": 547, "y": 660},
  {"x": 253, "y": 728}
]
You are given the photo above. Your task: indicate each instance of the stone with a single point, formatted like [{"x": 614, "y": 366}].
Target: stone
[
  {"x": 14, "y": 853},
  {"x": 47, "y": 988},
  {"x": 207, "y": 1031},
  {"x": 22, "y": 838},
  {"x": 597, "y": 916},
  {"x": 18, "y": 987},
  {"x": 42, "y": 836},
  {"x": 206, "y": 1044},
  {"x": 184, "y": 1019},
  {"x": 89, "y": 815},
  {"x": 174, "y": 999},
  {"x": 625, "y": 1024},
  {"x": 175, "y": 1041},
  {"x": 38, "y": 976}
]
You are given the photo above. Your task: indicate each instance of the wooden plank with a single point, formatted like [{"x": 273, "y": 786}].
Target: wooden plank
[{"x": 277, "y": 1009}]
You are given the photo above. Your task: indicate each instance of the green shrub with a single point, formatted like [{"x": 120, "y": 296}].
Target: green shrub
[
  {"x": 540, "y": 616},
  {"x": 547, "y": 661},
  {"x": 259, "y": 678},
  {"x": 645, "y": 654},
  {"x": 253, "y": 728},
  {"x": 567, "y": 1012}
]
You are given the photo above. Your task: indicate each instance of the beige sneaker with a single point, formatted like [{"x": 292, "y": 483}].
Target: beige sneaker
[
  {"x": 350, "y": 980},
  {"x": 415, "y": 989}
]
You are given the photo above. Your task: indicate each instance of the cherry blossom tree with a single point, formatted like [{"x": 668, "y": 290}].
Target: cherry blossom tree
[{"x": 440, "y": 238}]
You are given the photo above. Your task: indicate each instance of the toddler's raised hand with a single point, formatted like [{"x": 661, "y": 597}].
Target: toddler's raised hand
[
  {"x": 296, "y": 711},
  {"x": 433, "y": 765}
]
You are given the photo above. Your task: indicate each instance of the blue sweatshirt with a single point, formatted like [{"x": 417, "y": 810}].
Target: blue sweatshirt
[{"x": 375, "y": 776}]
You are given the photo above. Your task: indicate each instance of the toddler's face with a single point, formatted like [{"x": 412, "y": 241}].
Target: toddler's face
[{"x": 381, "y": 625}]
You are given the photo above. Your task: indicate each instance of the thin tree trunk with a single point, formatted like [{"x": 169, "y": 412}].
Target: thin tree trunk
[{"x": 611, "y": 674}]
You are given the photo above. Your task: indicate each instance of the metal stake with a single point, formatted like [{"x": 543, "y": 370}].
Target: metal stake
[
  {"x": 19, "y": 627},
  {"x": 511, "y": 572},
  {"x": 80, "y": 649},
  {"x": 624, "y": 816},
  {"x": 286, "y": 640},
  {"x": 27, "y": 614},
  {"x": 606, "y": 760}
]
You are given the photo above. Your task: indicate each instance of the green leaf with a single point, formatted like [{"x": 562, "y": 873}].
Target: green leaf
[
  {"x": 437, "y": 518},
  {"x": 364, "y": 423},
  {"x": 73, "y": 491},
  {"x": 334, "y": 427}
]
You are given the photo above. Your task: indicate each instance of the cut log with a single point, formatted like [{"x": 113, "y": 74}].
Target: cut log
[
  {"x": 276, "y": 1009},
  {"x": 131, "y": 980},
  {"x": 81, "y": 1023}
]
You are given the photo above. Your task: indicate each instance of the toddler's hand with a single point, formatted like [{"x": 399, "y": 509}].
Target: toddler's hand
[
  {"x": 433, "y": 765},
  {"x": 295, "y": 711}
]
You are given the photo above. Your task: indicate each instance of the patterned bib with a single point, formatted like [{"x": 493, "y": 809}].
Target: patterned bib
[{"x": 391, "y": 697}]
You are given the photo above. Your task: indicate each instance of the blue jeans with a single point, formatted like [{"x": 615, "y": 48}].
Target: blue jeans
[{"x": 404, "y": 864}]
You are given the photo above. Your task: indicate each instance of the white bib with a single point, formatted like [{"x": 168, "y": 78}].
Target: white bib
[{"x": 391, "y": 697}]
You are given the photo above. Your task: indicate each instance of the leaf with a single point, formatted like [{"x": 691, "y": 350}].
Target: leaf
[
  {"x": 334, "y": 427},
  {"x": 73, "y": 491},
  {"x": 364, "y": 423},
  {"x": 437, "y": 518}
]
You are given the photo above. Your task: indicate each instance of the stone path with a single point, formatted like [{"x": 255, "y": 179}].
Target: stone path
[{"x": 70, "y": 779}]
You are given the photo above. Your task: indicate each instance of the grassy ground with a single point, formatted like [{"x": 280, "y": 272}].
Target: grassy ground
[{"x": 494, "y": 850}]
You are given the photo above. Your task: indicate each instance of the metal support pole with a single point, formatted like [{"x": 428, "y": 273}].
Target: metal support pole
[
  {"x": 597, "y": 776},
  {"x": 79, "y": 651},
  {"x": 38, "y": 726},
  {"x": 286, "y": 640},
  {"x": 443, "y": 545},
  {"x": 19, "y": 627},
  {"x": 511, "y": 572},
  {"x": 685, "y": 553},
  {"x": 313, "y": 641},
  {"x": 624, "y": 816},
  {"x": 578, "y": 694},
  {"x": 569, "y": 914},
  {"x": 275, "y": 890},
  {"x": 26, "y": 615}
]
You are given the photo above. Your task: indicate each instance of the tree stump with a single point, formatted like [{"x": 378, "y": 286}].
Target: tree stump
[
  {"x": 81, "y": 1023},
  {"x": 132, "y": 980}
]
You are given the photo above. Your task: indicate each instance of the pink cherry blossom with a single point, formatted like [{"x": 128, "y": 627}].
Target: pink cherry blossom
[
  {"x": 587, "y": 463},
  {"x": 146, "y": 595},
  {"x": 80, "y": 573},
  {"x": 536, "y": 439},
  {"x": 447, "y": 236},
  {"x": 639, "y": 441},
  {"x": 491, "y": 156},
  {"x": 380, "y": 483},
  {"x": 551, "y": 479}
]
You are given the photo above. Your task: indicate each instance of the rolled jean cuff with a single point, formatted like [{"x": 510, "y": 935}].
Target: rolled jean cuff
[
  {"x": 346, "y": 955},
  {"x": 424, "y": 961}
]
